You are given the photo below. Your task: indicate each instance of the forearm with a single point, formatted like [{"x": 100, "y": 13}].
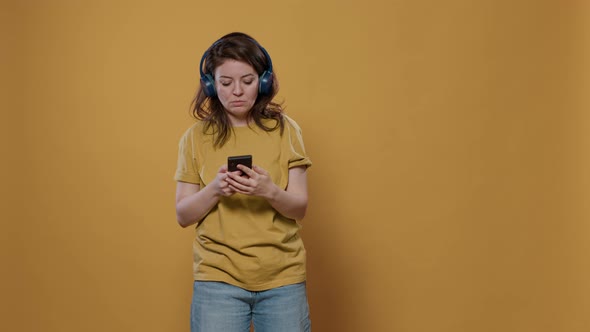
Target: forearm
[
  {"x": 195, "y": 207},
  {"x": 289, "y": 204}
]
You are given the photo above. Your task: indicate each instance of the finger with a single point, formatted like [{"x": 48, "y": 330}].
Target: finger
[
  {"x": 236, "y": 190},
  {"x": 238, "y": 186},
  {"x": 233, "y": 174},
  {"x": 223, "y": 169},
  {"x": 246, "y": 170},
  {"x": 223, "y": 185},
  {"x": 223, "y": 180},
  {"x": 237, "y": 176},
  {"x": 224, "y": 188}
]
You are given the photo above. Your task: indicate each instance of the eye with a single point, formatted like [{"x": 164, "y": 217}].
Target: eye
[
  {"x": 248, "y": 82},
  {"x": 225, "y": 83}
]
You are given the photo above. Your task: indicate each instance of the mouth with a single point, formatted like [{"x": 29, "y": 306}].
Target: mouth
[{"x": 238, "y": 103}]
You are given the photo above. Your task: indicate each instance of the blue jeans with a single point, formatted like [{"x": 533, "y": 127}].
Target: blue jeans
[{"x": 220, "y": 307}]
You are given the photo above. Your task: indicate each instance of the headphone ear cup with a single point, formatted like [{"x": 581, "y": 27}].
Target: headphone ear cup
[
  {"x": 265, "y": 83},
  {"x": 208, "y": 85}
]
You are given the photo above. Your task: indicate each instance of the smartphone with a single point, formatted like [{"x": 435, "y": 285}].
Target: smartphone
[{"x": 234, "y": 161}]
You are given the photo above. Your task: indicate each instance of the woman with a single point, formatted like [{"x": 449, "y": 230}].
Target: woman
[{"x": 249, "y": 260}]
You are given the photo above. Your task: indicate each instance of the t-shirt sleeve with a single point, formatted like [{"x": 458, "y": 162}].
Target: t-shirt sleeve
[
  {"x": 187, "y": 169},
  {"x": 297, "y": 155}
]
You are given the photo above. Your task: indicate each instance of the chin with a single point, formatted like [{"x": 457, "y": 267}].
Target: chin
[
  {"x": 239, "y": 111},
  {"x": 237, "y": 114}
]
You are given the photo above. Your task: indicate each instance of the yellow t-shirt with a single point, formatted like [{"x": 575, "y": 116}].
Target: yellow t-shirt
[{"x": 243, "y": 240}]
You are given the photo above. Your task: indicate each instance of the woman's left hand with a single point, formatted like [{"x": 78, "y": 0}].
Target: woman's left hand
[{"x": 258, "y": 182}]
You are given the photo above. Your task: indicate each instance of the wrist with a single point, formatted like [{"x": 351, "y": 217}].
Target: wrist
[
  {"x": 274, "y": 193},
  {"x": 214, "y": 192}
]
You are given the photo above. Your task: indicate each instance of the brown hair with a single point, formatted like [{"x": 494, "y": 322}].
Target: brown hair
[{"x": 241, "y": 47}]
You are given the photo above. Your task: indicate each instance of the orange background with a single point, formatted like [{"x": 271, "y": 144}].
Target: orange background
[{"x": 450, "y": 189}]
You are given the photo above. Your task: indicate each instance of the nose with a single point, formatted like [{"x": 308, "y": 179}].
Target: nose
[{"x": 238, "y": 90}]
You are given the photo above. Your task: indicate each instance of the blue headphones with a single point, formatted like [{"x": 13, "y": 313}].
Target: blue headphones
[{"x": 264, "y": 80}]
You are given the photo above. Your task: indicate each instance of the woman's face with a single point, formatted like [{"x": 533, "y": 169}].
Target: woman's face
[{"x": 236, "y": 83}]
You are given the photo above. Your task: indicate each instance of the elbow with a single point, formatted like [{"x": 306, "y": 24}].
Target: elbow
[
  {"x": 300, "y": 213},
  {"x": 300, "y": 216},
  {"x": 183, "y": 221},
  {"x": 295, "y": 213}
]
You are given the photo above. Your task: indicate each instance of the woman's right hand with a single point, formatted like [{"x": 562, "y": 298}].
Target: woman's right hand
[
  {"x": 220, "y": 183},
  {"x": 193, "y": 203}
]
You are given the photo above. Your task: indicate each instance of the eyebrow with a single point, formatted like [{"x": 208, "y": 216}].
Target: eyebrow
[{"x": 223, "y": 76}]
